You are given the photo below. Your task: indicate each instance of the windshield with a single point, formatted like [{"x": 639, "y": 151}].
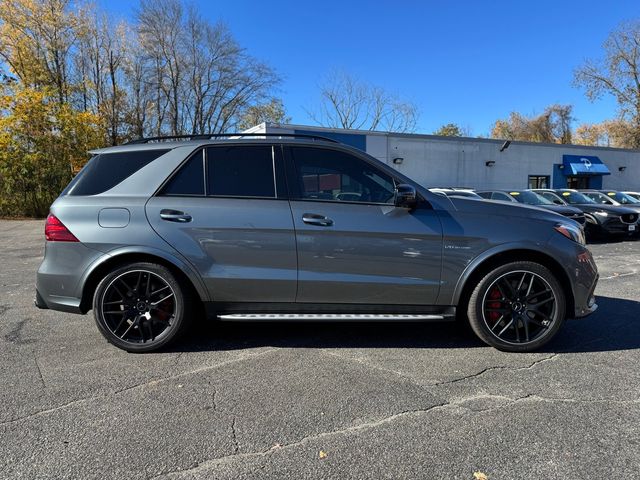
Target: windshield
[
  {"x": 574, "y": 198},
  {"x": 530, "y": 198},
  {"x": 601, "y": 198},
  {"x": 622, "y": 198}
]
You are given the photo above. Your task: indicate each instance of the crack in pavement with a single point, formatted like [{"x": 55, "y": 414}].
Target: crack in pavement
[
  {"x": 537, "y": 398},
  {"x": 444, "y": 382},
  {"x": 460, "y": 403},
  {"x": 140, "y": 385},
  {"x": 35, "y": 359},
  {"x": 354, "y": 428},
  {"x": 371, "y": 365},
  {"x": 619, "y": 275},
  {"x": 489, "y": 369},
  {"x": 234, "y": 436}
]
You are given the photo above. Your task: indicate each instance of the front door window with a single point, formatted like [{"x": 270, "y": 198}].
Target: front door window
[{"x": 335, "y": 176}]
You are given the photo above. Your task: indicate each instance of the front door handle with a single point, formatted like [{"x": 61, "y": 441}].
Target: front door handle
[
  {"x": 175, "y": 216},
  {"x": 315, "y": 219}
]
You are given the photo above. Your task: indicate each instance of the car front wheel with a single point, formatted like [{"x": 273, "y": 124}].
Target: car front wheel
[
  {"x": 141, "y": 307},
  {"x": 517, "y": 307}
]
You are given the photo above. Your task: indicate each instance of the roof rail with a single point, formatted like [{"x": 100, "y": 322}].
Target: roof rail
[{"x": 208, "y": 136}]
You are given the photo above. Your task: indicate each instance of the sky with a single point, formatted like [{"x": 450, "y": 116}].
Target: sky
[{"x": 467, "y": 62}]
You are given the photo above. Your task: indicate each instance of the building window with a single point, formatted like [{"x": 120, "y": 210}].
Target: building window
[
  {"x": 539, "y": 181},
  {"x": 578, "y": 182}
]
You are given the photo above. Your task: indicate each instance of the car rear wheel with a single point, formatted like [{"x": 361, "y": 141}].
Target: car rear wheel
[
  {"x": 517, "y": 307},
  {"x": 141, "y": 307}
]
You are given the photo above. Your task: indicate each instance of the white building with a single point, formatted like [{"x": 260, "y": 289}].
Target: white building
[{"x": 435, "y": 161}]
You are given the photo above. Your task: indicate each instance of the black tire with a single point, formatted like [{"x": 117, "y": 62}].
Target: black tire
[
  {"x": 503, "y": 314},
  {"x": 153, "y": 311}
]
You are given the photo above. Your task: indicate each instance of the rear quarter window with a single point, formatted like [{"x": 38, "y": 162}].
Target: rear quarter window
[
  {"x": 106, "y": 170},
  {"x": 189, "y": 180}
]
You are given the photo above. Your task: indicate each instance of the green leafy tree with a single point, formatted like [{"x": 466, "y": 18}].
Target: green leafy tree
[
  {"x": 450, "y": 130},
  {"x": 271, "y": 112}
]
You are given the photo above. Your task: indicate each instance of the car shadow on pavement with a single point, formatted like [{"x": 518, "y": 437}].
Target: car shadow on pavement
[{"x": 614, "y": 326}]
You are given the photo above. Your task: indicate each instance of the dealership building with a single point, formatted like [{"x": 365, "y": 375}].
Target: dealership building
[{"x": 481, "y": 163}]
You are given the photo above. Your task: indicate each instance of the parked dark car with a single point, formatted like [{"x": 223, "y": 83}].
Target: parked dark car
[
  {"x": 529, "y": 197},
  {"x": 293, "y": 227},
  {"x": 612, "y": 197},
  {"x": 602, "y": 220}
]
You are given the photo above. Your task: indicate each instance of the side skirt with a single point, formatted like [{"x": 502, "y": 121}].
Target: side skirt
[{"x": 239, "y": 312}]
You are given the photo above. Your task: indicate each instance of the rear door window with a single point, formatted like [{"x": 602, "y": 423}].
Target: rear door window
[
  {"x": 106, "y": 170},
  {"x": 241, "y": 171}
]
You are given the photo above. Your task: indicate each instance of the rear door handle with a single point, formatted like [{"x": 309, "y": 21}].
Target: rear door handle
[
  {"x": 315, "y": 219},
  {"x": 175, "y": 216}
]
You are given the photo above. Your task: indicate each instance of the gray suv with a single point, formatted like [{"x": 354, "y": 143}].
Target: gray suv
[{"x": 152, "y": 234}]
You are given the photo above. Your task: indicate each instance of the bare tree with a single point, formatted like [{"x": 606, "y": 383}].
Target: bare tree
[
  {"x": 347, "y": 102},
  {"x": 203, "y": 80},
  {"x": 617, "y": 74},
  {"x": 140, "y": 100},
  {"x": 160, "y": 27}
]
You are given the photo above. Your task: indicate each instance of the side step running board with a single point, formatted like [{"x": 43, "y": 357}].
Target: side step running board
[{"x": 328, "y": 317}]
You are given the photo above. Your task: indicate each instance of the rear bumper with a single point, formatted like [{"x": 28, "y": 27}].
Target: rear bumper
[
  {"x": 55, "y": 302},
  {"x": 58, "y": 281},
  {"x": 39, "y": 302}
]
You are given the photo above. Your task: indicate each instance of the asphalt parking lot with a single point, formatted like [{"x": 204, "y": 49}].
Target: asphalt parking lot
[{"x": 318, "y": 400}]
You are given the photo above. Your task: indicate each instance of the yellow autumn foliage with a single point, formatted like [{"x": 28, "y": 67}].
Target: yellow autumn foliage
[{"x": 42, "y": 143}]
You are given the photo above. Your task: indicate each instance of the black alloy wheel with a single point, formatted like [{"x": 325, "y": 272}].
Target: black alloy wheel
[
  {"x": 140, "y": 307},
  {"x": 517, "y": 307}
]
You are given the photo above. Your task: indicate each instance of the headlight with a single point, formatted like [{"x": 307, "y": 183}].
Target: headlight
[
  {"x": 572, "y": 232},
  {"x": 601, "y": 214}
]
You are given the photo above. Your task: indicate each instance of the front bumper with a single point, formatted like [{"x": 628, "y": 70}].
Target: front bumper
[
  {"x": 582, "y": 273},
  {"x": 615, "y": 226},
  {"x": 585, "y": 279},
  {"x": 591, "y": 306}
]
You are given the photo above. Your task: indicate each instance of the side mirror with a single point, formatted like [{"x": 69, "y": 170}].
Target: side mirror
[{"x": 406, "y": 196}]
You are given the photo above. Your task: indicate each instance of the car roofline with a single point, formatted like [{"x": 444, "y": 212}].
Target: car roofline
[{"x": 195, "y": 143}]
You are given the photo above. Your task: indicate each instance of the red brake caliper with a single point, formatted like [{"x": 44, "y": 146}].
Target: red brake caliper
[{"x": 494, "y": 295}]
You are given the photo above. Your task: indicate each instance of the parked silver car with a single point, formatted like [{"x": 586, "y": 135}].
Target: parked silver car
[{"x": 150, "y": 234}]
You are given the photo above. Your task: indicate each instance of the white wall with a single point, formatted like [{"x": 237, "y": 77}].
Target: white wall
[{"x": 461, "y": 162}]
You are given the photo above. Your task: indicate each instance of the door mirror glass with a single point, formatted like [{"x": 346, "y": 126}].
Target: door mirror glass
[{"x": 405, "y": 196}]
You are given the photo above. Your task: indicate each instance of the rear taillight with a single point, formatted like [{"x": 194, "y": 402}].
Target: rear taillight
[{"x": 55, "y": 231}]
